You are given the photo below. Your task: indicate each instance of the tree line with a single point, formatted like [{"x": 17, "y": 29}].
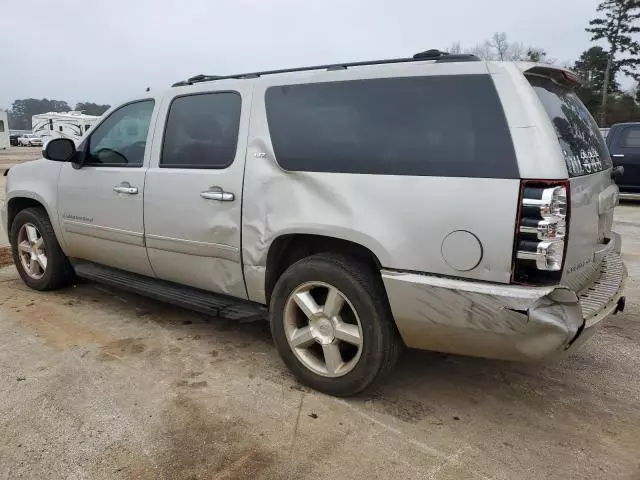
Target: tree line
[
  {"x": 599, "y": 67},
  {"x": 21, "y": 111}
]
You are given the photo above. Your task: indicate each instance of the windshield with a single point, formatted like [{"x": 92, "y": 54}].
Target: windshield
[{"x": 582, "y": 144}]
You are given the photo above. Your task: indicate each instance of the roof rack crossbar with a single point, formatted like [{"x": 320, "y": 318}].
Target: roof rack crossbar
[{"x": 435, "y": 55}]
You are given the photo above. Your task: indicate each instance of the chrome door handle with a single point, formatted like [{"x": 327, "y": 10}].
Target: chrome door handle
[
  {"x": 125, "y": 187},
  {"x": 618, "y": 155},
  {"x": 216, "y": 193}
]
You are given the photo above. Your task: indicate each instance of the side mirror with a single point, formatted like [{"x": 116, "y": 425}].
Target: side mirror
[{"x": 59, "y": 150}]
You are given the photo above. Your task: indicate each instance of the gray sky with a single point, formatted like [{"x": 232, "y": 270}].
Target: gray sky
[{"x": 108, "y": 51}]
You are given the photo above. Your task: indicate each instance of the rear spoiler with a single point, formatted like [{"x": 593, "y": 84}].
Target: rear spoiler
[{"x": 559, "y": 75}]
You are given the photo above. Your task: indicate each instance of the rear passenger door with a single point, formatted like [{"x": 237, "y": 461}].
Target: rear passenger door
[
  {"x": 192, "y": 207},
  {"x": 625, "y": 151}
]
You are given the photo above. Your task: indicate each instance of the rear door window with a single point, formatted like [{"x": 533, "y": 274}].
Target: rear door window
[
  {"x": 202, "y": 131},
  {"x": 450, "y": 126},
  {"x": 584, "y": 149},
  {"x": 630, "y": 137}
]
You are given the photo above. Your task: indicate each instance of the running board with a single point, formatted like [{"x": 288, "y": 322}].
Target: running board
[{"x": 181, "y": 295}]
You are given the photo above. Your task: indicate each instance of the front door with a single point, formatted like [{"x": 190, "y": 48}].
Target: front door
[
  {"x": 193, "y": 190},
  {"x": 625, "y": 151},
  {"x": 100, "y": 205}
]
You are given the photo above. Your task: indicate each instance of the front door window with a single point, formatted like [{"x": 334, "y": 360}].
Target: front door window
[{"x": 121, "y": 139}]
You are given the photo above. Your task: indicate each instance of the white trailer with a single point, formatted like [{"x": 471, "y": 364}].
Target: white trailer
[
  {"x": 72, "y": 125},
  {"x": 4, "y": 130}
]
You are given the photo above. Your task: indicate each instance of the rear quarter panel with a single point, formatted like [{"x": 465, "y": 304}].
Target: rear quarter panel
[
  {"x": 403, "y": 220},
  {"x": 534, "y": 138}
]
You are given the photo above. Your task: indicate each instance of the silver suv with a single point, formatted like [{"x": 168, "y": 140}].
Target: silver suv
[{"x": 436, "y": 202}]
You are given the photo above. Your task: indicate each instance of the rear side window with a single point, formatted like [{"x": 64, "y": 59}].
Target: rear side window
[
  {"x": 582, "y": 144},
  {"x": 630, "y": 137},
  {"x": 439, "y": 126},
  {"x": 202, "y": 131}
]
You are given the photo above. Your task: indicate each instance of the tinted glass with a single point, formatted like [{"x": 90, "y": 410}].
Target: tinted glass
[
  {"x": 121, "y": 139},
  {"x": 440, "y": 126},
  {"x": 1, "y": 125},
  {"x": 582, "y": 144},
  {"x": 202, "y": 131},
  {"x": 631, "y": 137}
]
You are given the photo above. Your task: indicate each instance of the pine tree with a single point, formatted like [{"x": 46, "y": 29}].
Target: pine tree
[{"x": 617, "y": 23}]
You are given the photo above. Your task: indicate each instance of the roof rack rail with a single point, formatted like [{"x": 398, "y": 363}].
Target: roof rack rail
[{"x": 436, "y": 55}]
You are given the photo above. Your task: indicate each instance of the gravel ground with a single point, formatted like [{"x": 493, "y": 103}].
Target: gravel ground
[
  {"x": 12, "y": 155},
  {"x": 96, "y": 383}
]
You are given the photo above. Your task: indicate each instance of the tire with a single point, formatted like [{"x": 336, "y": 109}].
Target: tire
[
  {"x": 57, "y": 270},
  {"x": 365, "y": 312}
]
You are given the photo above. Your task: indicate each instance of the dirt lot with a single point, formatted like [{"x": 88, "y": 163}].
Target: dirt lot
[
  {"x": 12, "y": 155},
  {"x": 96, "y": 383}
]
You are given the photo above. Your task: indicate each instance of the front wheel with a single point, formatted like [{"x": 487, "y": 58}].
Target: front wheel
[
  {"x": 36, "y": 253},
  {"x": 332, "y": 325}
]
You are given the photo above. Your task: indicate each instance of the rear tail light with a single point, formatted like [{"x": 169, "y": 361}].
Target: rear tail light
[
  {"x": 549, "y": 203},
  {"x": 547, "y": 255},
  {"x": 542, "y": 232}
]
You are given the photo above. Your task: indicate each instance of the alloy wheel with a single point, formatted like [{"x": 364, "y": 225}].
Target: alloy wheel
[
  {"x": 323, "y": 329},
  {"x": 32, "y": 251}
]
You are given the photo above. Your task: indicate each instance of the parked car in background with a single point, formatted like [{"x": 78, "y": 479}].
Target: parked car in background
[
  {"x": 29, "y": 140},
  {"x": 13, "y": 140},
  {"x": 623, "y": 142},
  {"x": 360, "y": 206}
]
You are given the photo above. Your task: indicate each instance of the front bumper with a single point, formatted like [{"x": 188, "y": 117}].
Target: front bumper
[{"x": 502, "y": 321}]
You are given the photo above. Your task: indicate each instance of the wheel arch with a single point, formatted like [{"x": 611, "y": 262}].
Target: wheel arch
[
  {"x": 18, "y": 203},
  {"x": 20, "y": 200},
  {"x": 289, "y": 248}
]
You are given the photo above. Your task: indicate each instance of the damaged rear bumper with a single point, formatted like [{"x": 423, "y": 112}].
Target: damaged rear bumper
[{"x": 502, "y": 321}]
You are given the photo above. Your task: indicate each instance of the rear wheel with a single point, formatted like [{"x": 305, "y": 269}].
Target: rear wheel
[
  {"x": 332, "y": 325},
  {"x": 36, "y": 253}
]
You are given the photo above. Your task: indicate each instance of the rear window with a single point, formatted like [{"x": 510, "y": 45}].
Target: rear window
[
  {"x": 630, "y": 137},
  {"x": 584, "y": 149},
  {"x": 439, "y": 126}
]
